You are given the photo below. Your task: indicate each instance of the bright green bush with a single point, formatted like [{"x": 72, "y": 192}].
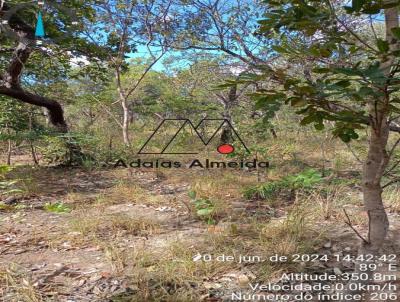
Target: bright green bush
[
  {"x": 305, "y": 180},
  {"x": 205, "y": 208}
]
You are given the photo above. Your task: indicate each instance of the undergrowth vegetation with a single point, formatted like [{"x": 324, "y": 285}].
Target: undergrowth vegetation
[
  {"x": 304, "y": 181},
  {"x": 285, "y": 211}
]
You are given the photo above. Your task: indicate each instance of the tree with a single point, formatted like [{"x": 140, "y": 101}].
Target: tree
[
  {"x": 19, "y": 43},
  {"x": 345, "y": 79},
  {"x": 199, "y": 84},
  {"x": 17, "y": 124},
  {"x": 124, "y": 26},
  {"x": 226, "y": 27}
]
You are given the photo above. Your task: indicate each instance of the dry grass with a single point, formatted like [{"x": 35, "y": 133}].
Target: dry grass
[
  {"x": 170, "y": 274},
  {"x": 391, "y": 196},
  {"x": 126, "y": 191},
  {"x": 121, "y": 193},
  {"x": 97, "y": 224},
  {"x": 174, "y": 276},
  {"x": 16, "y": 285}
]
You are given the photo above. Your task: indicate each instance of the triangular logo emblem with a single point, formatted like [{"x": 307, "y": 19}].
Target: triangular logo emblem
[{"x": 39, "y": 33}]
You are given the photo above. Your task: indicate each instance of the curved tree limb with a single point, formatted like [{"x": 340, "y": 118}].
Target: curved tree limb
[
  {"x": 10, "y": 79},
  {"x": 56, "y": 113}
]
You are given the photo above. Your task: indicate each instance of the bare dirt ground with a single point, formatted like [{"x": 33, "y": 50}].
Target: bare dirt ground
[
  {"x": 104, "y": 246},
  {"x": 41, "y": 243}
]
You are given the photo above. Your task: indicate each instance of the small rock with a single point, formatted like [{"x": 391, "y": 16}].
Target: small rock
[
  {"x": 37, "y": 267},
  {"x": 106, "y": 275},
  {"x": 66, "y": 245},
  {"x": 212, "y": 285},
  {"x": 80, "y": 283},
  {"x": 74, "y": 233},
  {"x": 97, "y": 290},
  {"x": 251, "y": 275},
  {"x": 11, "y": 200},
  {"x": 328, "y": 245},
  {"x": 96, "y": 278},
  {"x": 92, "y": 249},
  {"x": 243, "y": 280}
]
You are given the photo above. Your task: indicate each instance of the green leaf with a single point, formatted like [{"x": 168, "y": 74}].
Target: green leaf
[
  {"x": 14, "y": 191},
  {"x": 349, "y": 9},
  {"x": 57, "y": 207},
  {"x": 279, "y": 49},
  {"x": 321, "y": 70},
  {"x": 394, "y": 108},
  {"x": 348, "y": 71},
  {"x": 373, "y": 10},
  {"x": 345, "y": 137},
  {"x": 205, "y": 212},
  {"x": 4, "y": 169},
  {"x": 266, "y": 100},
  {"x": 319, "y": 126},
  {"x": 297, "y": 102},
  {"x": 308, "y": 120},
  {"x": 343, "y": 83},
  {"x": 383, "y": 45},
  {"x": 357, "y": 4},
  {"x": 365, "y": 91},
  {"x": 211, "y": 221},
  {"x": 290, "y": 82},
  {"x": 326, "y": 53},
  {"x": 192, "y": 194},
  {"x": 306, "y": 89},
  {"x": 396, "y": 32}
]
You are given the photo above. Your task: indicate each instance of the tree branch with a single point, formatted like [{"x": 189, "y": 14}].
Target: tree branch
[
  {"x": 348, "y": 222},
  {"x": 10, "y": 84},
  {"x": 56, "y": 113}
]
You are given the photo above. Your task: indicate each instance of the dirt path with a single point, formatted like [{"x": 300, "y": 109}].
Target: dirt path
[
  {"x": 113, "y": 231},
  {"x": 41, "y": 248}
]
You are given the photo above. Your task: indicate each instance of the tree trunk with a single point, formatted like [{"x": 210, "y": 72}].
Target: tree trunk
[
  {"x": 33, "y": 152},
  {"x": 227, "y": 135},
  {"x": 374, "y": 168},
  {"x": 9, "y": 144},
  {"x": 273, "y": 132},
  {"x": 378, "y": 158},
  {"x": 110, "y": 149},
  {"x": 125, "y": 122},
  {"x": 123, "y": 100},
  {"x": 9, "y": 152},
  {"x": 377, "y": 161}
]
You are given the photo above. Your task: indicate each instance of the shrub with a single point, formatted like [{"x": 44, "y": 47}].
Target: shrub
[
  {"x": 7, "y": 186},
  {"x": 57, "y": 207},
  {"x": 305, "y": 180},
  {"x": 204, "y": 207}
]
